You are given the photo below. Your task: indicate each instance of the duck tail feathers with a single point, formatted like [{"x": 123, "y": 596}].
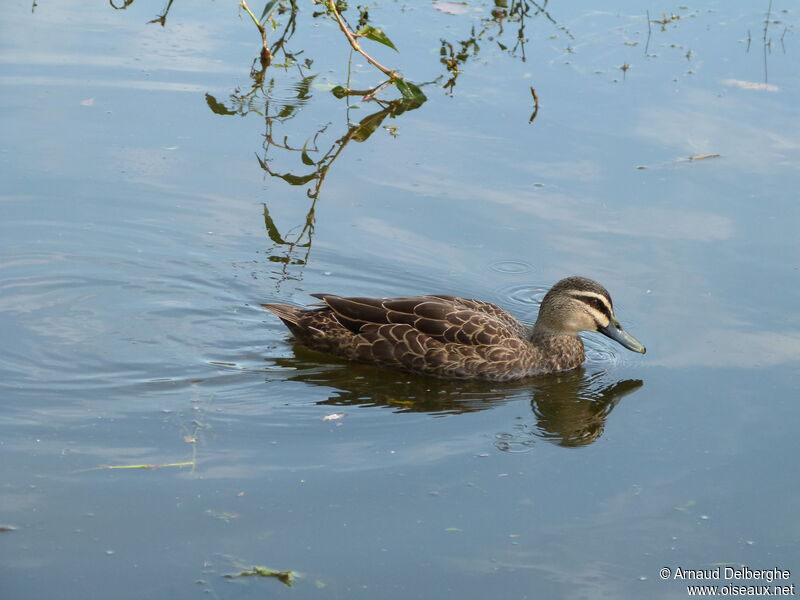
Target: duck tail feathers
[{"x": 286, "y": 312}]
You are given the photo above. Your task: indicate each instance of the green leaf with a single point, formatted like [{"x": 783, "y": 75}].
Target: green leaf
[
  {"x": 339, "y": 92},
  {"x": 287, "y": 177},
  {"x": 217, "y": 107},
  {"x": 410, "y": 91},
  {"x": 303, "y": 86},
  {"x": 306, "y": 158},
  {"x": 286, "y": 111},
  {"x": 376, "y": 35},
  {"x": 296, "y": 179},
  {"x": 368, "y": 125},
  {"x": 267, "y": 9},
  {"x": 285, "y": 577},
  {"x": 272, "y": 231}
]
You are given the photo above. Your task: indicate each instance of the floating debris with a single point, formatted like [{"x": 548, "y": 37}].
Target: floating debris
[
  {"x": 285, "y": 577},
  {"x": 451, "y": 8},
  {"x": 334, "y": 416},
  {"x": 703, "y": 156},
  {"x": 177, "y": 464},
  {"x": 751, "y": 85},
  {"x": 227, "y": 517}
]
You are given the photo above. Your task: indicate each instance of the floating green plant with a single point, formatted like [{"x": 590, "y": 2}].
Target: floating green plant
[{"x": 285, "y": 577}]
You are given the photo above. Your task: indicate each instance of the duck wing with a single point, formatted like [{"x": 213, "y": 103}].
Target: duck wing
[{"x": 445, "y": 319}]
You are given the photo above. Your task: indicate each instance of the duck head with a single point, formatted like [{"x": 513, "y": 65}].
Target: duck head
[{"x": 579, "y": 304}]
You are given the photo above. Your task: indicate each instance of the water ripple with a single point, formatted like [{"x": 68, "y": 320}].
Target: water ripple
[
  {"x": 519, "y": 441},
  {"x": 515, "y": 267},
  {"x": 522, "y": 295},
  {"x": 600, "y": 349}
]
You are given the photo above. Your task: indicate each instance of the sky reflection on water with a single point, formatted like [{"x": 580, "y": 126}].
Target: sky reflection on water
[{"x": 135, "y": 248}]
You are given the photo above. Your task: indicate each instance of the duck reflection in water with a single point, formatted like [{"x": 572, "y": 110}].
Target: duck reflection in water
[{"x": 570, "y": 408}]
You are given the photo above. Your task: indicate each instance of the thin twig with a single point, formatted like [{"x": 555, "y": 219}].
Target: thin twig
[
  {"x": 542, "y": 9},
  {"x": 266, "y": 54},
  {"x": 331, "y": 4},
  {"x": 162, "y": 18},
  {"x": 370, "y": 94},
  {"x": 649, "y": 32},
  {"x": 288, "y": 31},
  {"x": 535, "y": 105}
]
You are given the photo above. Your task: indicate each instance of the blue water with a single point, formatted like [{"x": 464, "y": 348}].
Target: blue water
[{"x": 134, "y": 252}]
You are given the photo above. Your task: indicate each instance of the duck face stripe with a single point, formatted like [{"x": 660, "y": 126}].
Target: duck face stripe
[{"x": 596, "y": 301}]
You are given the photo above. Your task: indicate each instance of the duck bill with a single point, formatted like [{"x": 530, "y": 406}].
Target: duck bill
[{"x": 615, "y": 331}]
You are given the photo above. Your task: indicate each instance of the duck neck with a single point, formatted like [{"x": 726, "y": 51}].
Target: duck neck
[{"x": 559, "y": 351}]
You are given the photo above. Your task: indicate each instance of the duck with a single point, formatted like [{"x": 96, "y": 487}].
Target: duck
[{"x": 457, "y": 338}]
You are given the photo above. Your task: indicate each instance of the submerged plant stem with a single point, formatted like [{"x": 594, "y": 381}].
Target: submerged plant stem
[
  {"x": 266, "y": 54},
  {"x": 331, "y": 4},
  {"x": 535, "y": 105}
]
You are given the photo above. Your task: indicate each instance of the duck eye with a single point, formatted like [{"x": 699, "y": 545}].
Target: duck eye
[{"x": 598, "y": 305}]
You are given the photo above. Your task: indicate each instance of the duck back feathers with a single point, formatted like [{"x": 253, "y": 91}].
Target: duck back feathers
[{"x": 438, "y": 335}]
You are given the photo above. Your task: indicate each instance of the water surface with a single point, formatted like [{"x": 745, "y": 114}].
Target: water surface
[{"x": 141, "y": 231}]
